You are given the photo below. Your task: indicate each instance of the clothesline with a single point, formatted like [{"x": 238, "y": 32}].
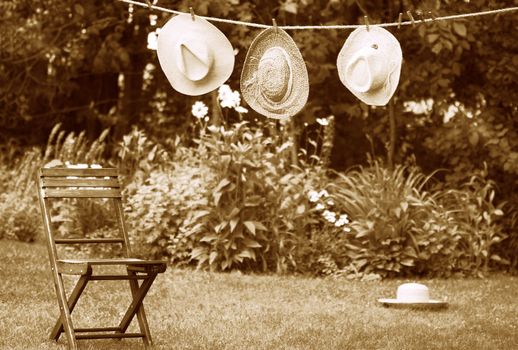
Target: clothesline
[{"x": 346, "y": 26}]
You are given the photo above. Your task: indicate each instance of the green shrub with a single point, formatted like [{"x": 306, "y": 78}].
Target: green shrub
[
  {"x": 479, "y": 221},
  {"x": 397, "y": 226},
  {"x": 254, "y": 216},
  {"x": 20, "y": 216},
  {"x": 158, "y": 209}
]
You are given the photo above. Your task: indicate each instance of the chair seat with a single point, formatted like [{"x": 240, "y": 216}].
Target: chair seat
[{"x": 81, "y": 266}]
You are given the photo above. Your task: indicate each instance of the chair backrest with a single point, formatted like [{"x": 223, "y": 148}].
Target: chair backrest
[{"x": 59, "y": 183}]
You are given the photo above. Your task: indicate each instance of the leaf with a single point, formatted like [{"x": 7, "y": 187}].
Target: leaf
[
  {"x": 259, "y": 226},
  {"x": 247, "y": 253},
  {"x": 301, "y": 209},
  {"x": 432, "y": 38},
  {"x": 196, "y": 253},
  {"x": 212, "y": 257},
  {"x": 250, "y": 226},
  {"x": 233, "y": 224},
  {"x": 474, "y": 138},
  {"x": 79, "y": 9},
  {"x": 407, "y": 262},
  {"x": 209, "y": 238},
  {"x": 460, "y": 29},
  {"x": 290, "y": 6},
  {"x": 250, "y": 243},
  {"x": 217, "y": 197}
]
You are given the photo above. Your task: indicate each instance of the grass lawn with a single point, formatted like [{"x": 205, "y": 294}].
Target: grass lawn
[{"x": 200, "y": 310}]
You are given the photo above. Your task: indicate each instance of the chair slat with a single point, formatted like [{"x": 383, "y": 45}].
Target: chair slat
[
  {"x": 80, "y": 193},
  {"x": 62, "y": 172},
  {"x": 98, "y": 182},
  {"x": 87, "y": 240}
]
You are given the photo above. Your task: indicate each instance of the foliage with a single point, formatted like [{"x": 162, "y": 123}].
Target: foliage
[
  {"x": 158, "y": 209},
  {"x": 255, "y": 214},
  {"x": 401, "y": 226},
  {"x": 20, "y": 217}
]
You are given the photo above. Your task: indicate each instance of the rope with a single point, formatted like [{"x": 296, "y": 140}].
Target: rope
[{"x": 346, "y": 26}]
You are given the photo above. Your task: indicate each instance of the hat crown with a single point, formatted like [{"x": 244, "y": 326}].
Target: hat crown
[
  {"x": 194, "y": 58},
  {"x": 367, "y": 70},
  {"x": 413, "y": 292},
  {"x": 274, "y": 74}
]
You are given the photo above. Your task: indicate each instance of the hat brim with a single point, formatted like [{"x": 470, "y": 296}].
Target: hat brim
[
  {"x": 389, "y": 47},
  {"x": 250, "y": 89},
  {"x": 202, "y": 30},
  {"x": 403, "y": 304}
]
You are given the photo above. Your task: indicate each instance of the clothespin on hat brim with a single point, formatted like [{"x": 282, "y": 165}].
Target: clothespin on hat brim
[
  {"x": 366, "y": 19},
  {"x": 193, "y": 16},
  {"x": 400, "y": 18},
  {"x": 274, "y": 24}
]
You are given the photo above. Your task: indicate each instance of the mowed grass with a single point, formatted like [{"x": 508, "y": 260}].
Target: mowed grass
[{"x": 200, "y": 310}]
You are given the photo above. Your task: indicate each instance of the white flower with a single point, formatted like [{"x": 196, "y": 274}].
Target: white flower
[
  {"x": 323, "y": 121},
  {"x": 347, "y": 229},
  {"x": 344, "y": 217},
  {"x": 329, "y": 216},
  {"x": 330, "y": 202},
  {"x": 213, "y": 128},
  {"x": 152, "y": 39},
  {"x": 240, "y": 109},
  {"x": 199, "y": 110},
  {"x": 313, "y": 196},
  {"x": 227, "y": 97},
  {"x": 323, "y": 193}
]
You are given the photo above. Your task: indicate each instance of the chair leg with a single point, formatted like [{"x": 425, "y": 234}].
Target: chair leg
[
  {"x": 141, "y": 314},
  {"x": 138, "y": 295},
  {"x": 65, "y": 312},
  {"x": 72, "y": 300}
]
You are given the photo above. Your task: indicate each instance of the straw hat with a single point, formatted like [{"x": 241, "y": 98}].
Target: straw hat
[
  {"x": 413, "y": 295},
  {"x": 195, "y": 56},
  {"x": 274, "y": 80},
  {"x": 369, "y": 64}
]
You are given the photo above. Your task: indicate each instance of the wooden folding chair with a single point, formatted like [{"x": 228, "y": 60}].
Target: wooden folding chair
[{"x": 58, "y": 183}]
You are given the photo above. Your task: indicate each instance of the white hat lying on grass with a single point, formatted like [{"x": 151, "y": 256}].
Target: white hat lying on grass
[{"x": 413, "y": 295}]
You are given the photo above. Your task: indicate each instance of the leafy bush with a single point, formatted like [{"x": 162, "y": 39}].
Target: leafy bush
[
  {"x": 256, "y": 213},
  {"x": 479, "y": 221},
  {"x": 20, "y": 216},
  {"x": 400, "y": 225},
  {"x": 158, "y": 209}
]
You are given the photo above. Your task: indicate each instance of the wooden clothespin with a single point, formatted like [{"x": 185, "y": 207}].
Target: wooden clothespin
[
  {"x": 400, "y": 18},
  {"x": 149, "y": 5},
  {"x": 366, "y": 18},
  {"x": 192, "y": 13},
  {"x": 421, "y": 16},
  {"x": 274, "y": 23},
  {"x": 409, "y": 13},
  {"x": 432, "y": 15}
]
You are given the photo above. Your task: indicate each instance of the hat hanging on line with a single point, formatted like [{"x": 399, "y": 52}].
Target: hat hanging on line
[
  {"x": 274, "y": 79},
  {"x": 413, "y": 295},
  {"x": 369, "y": 64},
  {"x": 195, "y": 56}
]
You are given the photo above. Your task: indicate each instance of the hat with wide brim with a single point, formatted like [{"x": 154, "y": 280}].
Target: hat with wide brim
[
  {"x": 195, "y": 56},
  {"x": 274, "y": 79},
  {"x": 413, "y": 295},
  {"x": 369, "y": 64}
]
